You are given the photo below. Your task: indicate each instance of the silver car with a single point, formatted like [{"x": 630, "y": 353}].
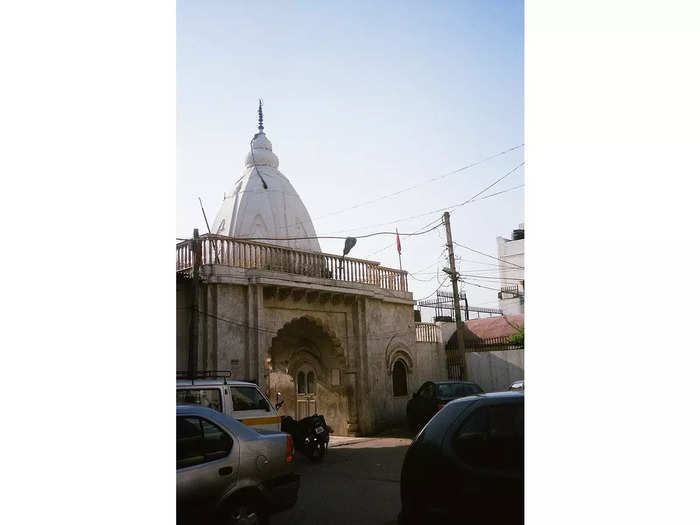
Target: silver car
[{"x": 229, "y": 471}]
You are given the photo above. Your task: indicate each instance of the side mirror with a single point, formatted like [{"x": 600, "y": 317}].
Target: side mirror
[{"x": 415, "y": 394}]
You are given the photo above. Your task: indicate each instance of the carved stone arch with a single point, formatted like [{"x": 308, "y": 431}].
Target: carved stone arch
[
  {"x": 312, "y": 323},
  {"x": 395, "y": 351}
]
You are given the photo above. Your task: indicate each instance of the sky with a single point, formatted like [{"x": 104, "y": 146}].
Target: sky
[{"x": 361, "y": 100}]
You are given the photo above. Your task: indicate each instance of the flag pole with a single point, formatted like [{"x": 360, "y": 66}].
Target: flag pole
[{"x": 398, "y": 248}]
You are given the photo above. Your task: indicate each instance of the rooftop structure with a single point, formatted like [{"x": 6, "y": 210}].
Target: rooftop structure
[{"x": 263, "y": 204}]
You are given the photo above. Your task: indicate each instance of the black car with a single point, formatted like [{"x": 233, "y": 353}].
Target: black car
[
  {"x": 432, "y": 396},
  {"x": 466, "y": 465}
]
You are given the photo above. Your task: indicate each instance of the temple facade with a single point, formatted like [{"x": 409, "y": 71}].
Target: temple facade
[{"x": 332, "y": 335}]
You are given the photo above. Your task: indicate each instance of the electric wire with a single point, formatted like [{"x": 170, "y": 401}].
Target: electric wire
[
  {"x": 428, "y": 181},
  {"x": 433, "y": 292},
  {"x": 487, "y": 255},
  {"x": 335, "y": 237},
  {"x": 377, "y": 199}
]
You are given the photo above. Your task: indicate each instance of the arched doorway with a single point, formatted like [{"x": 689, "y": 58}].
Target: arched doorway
[
  {"x": 306, "y": 366},
  {"x": 306, "y": 391}
]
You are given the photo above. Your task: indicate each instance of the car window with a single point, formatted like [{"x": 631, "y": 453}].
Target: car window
[
  {"x": 506, "y": 441},
  {"x": 470, "y": 440},
  {"x": 492, "y": 437},
  {"x": 427, "y": 391},
  {"x": 189, "y": 442},
  {"x": 506, "y": 421},
  {"x": 248, "y": 398},
  {"x": 208, "y": 397},
  {"x": 199, "y": 441},
  {"x": 216, "y": 443},
  {"x": 451, "y": 390},
  {"x": 476, "y": 423},
  {"x": 445, "y": 390}
]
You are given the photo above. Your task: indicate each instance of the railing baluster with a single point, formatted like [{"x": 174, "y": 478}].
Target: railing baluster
[{"x": 236, "y": 253}]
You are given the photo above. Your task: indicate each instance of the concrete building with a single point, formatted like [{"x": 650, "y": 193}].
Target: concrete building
[
  {"x": 511, "y": 298},
  {"x": 333, "y": 335}
]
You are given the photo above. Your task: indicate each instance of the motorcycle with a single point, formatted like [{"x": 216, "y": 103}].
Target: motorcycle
[{"x": 310, "y": 435}]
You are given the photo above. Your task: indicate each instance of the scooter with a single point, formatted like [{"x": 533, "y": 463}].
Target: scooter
[{"x": 311, "y": 435}]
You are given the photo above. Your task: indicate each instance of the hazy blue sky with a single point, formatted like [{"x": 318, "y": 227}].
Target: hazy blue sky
[{"x": 360, "y": 100}]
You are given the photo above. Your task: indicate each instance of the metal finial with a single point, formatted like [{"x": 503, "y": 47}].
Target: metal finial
[{"x": 260, "y": 116}]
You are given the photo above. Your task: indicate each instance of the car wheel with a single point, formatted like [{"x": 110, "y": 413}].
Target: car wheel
[{"x": 246, "y": 513}]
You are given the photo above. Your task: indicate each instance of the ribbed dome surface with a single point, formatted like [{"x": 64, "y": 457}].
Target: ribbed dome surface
[{"x": 252, "y": 211}]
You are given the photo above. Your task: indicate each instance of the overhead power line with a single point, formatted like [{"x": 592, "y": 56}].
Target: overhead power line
[
  {"x": 479, "y": 285},
  {"x": 490, "y": 278},
  {"x": 487, "y": 255},
  {"x": 434, "y": 291},
  {"x": 406, "y": 234},
  {"x": 443, "y": 209},
  {"x": 428, "y": 181},
  {"x": 393, "y": 243},
  {"x": 471, "y": 199},
  {"x": 395, "y": 193}
]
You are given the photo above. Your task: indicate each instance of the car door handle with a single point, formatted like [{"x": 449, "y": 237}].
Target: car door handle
[{"x": 225, "y": 471}]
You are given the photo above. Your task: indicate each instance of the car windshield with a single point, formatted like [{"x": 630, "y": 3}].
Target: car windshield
[
  {"x": 453, "y": 390},
  {"x": 208, "y": 397}
]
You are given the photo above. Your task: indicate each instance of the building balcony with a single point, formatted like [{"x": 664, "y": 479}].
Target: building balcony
[
  {"x": 510, "y": 291},
  {"x": 220, "y": 251},
  {"x": 428, "y": 333}
]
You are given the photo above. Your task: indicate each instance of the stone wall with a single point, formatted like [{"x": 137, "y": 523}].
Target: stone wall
[
  {"x": 257, "y": 332},
  {"x": 495, "y": 371},
  {"x": 427, "y": 364}
]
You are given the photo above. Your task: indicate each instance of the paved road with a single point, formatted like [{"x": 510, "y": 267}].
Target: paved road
[{"x": 357, "y": 483}]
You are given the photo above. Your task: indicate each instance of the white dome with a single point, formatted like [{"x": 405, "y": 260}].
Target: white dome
[
  {"x": 252, "y": 211},
  {"x": 261, "y": 152}
]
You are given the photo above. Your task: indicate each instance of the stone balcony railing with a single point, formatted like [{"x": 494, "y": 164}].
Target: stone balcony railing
[
  {"x": 237, "y": 253},
  {"x": 428, "y": 333}
]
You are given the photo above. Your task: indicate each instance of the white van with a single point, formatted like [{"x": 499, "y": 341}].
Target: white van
[{"x": 240, "y": 400}]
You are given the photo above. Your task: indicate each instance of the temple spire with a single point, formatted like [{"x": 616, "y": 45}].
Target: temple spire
[{"x": 260, "y": 116}]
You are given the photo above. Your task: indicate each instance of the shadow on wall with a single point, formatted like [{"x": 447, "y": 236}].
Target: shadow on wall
[{"x": 495, "y": 371}]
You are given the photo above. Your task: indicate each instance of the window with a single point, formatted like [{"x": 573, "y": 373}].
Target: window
[
  {"x": 248, "y": 398},
  {"x": 301, "y": 383},
  {"x": 399, "y": 379},
  {"x": 427, "y": 391},
  {"x": 310, "y": 383},
  {"x": 470, "y": 441},
  {"x": 452, "y": 390},
  {"x": 199, "y": 441},
  {"x": 189, "y": 447},
  {"x": 492, "y": 437},
  {"x": 215, "y": 442},
  {"x": 208, "y": 397}
]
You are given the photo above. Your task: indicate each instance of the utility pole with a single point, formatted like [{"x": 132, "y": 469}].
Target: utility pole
[
  {"x": 455, "y": 294},
  {"x": 194, "y": 321}
]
